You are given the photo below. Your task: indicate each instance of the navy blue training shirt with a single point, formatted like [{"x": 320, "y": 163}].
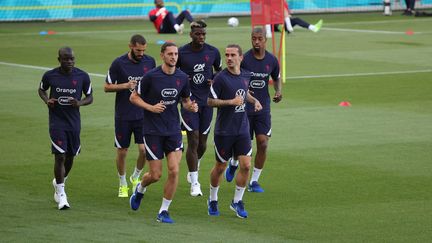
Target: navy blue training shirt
[
  {"x": 157, "y": 86},
  {"x": 63, "y": 86},
  {"x": 261, "y": 71},
  {"x": 123, "y": 70},
  {"x": 199, "y": 66},
  {"x": 230, "y": 120}
]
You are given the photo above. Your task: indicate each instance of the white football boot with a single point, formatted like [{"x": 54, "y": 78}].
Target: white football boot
[
  {"x": 195, "y": 190},
  {"x": 63, "y": 203}
]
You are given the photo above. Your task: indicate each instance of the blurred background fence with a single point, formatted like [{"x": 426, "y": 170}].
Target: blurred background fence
[{"x": 50, "y": 10}]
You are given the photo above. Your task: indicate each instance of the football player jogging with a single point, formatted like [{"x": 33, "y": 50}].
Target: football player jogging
[
  {"x": 159, "y": 93},
  {"x": 228, "y": 93},
  {"x": 66, "y": 84},
  {"x": 124, "y": 74},
  {"x": 198, "y": 60},
  {"x": 262, "y": 65}
]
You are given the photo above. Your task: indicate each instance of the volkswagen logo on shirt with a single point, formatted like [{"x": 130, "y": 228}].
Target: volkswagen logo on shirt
[
  {"x": 198, "y": 78},
  {"x": 169, "y": 92},
  {"x": 241, "y": 108},
  {"x": 241, "y": 92},
  {"x": 257, "y": 84},
  {"x": 64, "y": 100}
]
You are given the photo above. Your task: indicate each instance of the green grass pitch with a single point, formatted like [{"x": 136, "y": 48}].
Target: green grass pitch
[{"x": 334, "y": 174}]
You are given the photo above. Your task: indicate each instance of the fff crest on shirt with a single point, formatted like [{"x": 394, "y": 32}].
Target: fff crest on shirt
[{"x": 199, "y": 67}]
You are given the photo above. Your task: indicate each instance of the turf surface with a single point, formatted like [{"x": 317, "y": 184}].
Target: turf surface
[{"x": 341, "y": 174}]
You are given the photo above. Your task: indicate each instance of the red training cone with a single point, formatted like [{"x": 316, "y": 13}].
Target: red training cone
[
  {"x": 409, "y": 32},
  {"x": 345, "y": 103}
]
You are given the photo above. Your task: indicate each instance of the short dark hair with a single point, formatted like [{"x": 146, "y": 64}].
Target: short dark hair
[
  {"x": 138, "y": 39},
  {"x": 165, "y": 45},
  {"x": 197, "y": 25},
  {"x": 236, "y": 46},
  {"x": 64, "y": 49},
  {"x": 258, "y": 30}
]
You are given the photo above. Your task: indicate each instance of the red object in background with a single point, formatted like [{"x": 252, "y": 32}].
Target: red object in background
[
  {"x": 409, "y": 32},
  {"x": 345, "y": 103}
]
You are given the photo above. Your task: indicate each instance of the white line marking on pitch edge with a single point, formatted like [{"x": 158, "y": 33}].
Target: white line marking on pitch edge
[
  {"x": 370, "y": 31},
  {"x": 359, "y": 74},
  {"x": 293, "y": 77},
  {"x": 42, "y": 68}
]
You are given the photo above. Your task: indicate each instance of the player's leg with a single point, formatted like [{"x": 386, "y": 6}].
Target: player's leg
[
  {"x": 260, "y": 158},
  {"x": 205, "y": 118},
  {"x": 123, "y": 134},
  {"x": 170, "y": 25},
  {"x": 191, "y": 123},
  {"x": 173, "y": 146},
  {"x": 262, "y": 127},
  {"x": 243, "y": 150},
  {"x": 223, "y": 152},
  {"x": 69, "y": 159},
  {"x": 191, "y": 151},
  {"x": 59, "y": 171},
  {"x": 185, "y": 14},
  {"x": 59, "y": 148},
  {"x": 139, "y": 140},
  {"x": 173, "y": 162},
  {"x": 154, "y": 155}
]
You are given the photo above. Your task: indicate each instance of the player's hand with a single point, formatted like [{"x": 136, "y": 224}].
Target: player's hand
[
  {"x": 258, "y": 106},
  {"x": 238, "y": 100},
  {"x": 132, "y": 85},
  {"x": 161, "y": 11},
  {"x": 210, "y": 82},
  {"x": 51, "y": 102},
  {"x": 158, "y": 108},
  {"x": 193, "y": 106},
  {"x": 74, "y": 102},
  {"x": 277, "y": 97}
]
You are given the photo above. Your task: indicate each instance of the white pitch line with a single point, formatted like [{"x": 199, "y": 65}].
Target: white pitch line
[
  {"x": 370, "y": 31},
  {"x": 359, "y": 74},
  {"x": 42, "y": 68},
  {"x": 293, "y": 77}
]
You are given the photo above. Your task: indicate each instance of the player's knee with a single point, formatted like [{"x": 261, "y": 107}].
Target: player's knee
[
  {"x": 122, "y": 151},
  {"x": 155, "y": 176},
  {"x": 60, "y": 158},
  {"x": 220, "y": 167},
  {"x": 202, "y": 147},
  {"x": 245, "y": 167},
  {"x": 262, "y": 145},
  {"x": 173, "y": 171}
]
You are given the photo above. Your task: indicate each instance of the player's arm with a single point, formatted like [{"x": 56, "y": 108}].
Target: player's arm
[
  {"x": 88, "y": 92},
  {"x": 136, "y": 99},
  {"x": 88, "y": 99},
  {"x": 238, "y": 100},
  {"x": 189, "y": 104},
  {"x": 217, "y": 67},
  {"x": 44, "y": 96},
  {"x": 254, "y": 101},
  {"x": 111, "y": 87},
  {"x": 111, "y": 80},
  {"x": 278, "y": 90}
]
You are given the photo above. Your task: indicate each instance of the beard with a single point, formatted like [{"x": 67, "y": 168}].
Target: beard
[{"x": 135, "y": 57}]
